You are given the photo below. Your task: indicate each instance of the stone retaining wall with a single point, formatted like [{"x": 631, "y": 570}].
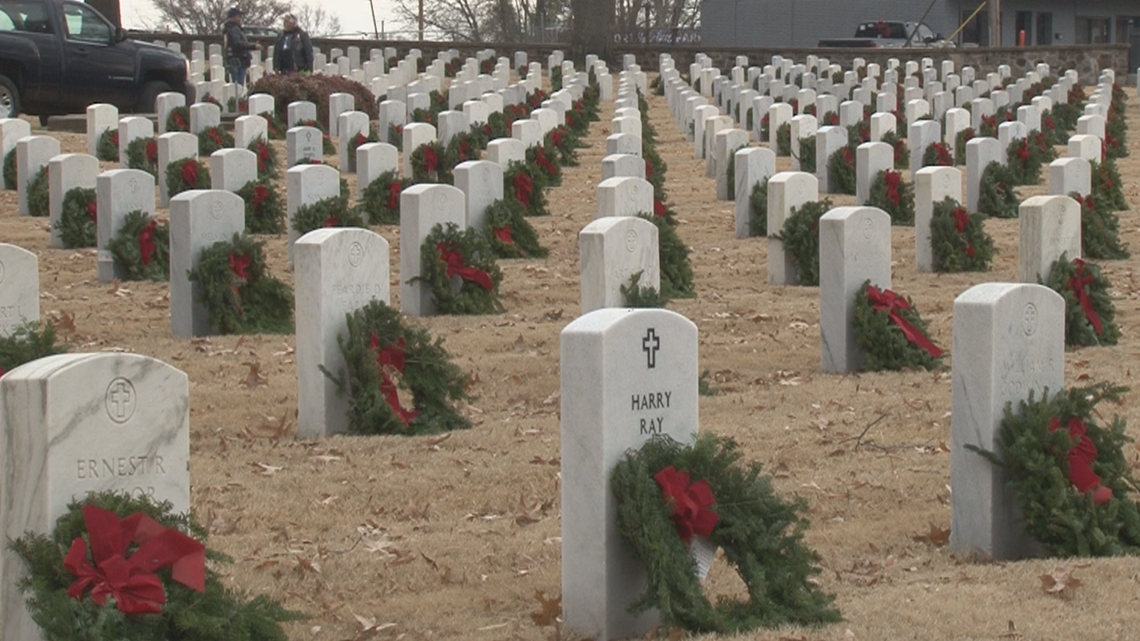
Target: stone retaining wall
[{"x": 1088, "y": 60}]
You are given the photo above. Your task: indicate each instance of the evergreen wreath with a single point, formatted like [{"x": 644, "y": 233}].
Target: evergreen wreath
[
  {"x": 1070, "y": 475},
  {"x": 326, "y": 143},
  {"x": 178, "y": 120},
  {"x": 378, "y": 346},
  {"x": 237, "y": 291},
  {"x": 806, "y": 153},
  {"x": 859, "y": 132},
  {"x": 497, "y": 122},
  {"x": 428, "y": 164},
  {"x": 461, "y": 148},
  {"x": 10, "y": 170},
  {"x": 37, "y": 190},
  {"x": 784, "y": 139},
  {"x": 264, "y": 211},
  {"x": 841, "y": 170},
  {"x": 26, "y": 342},
  {"x": 658, "y": 512},
  {"x": 537, "y": 157},
  {"x": 527, "y": 184},
  {"x": 460, "y": 269},
  {"x": 758, "y": 209},
  {"x": 327, "y": 212},
  {"x": 142, "y": 153},
  {"x": 958, "y": 240},
  {"x": 563, "y": 144},
  {"x": 638, "y": 296},
  {"x": 1100, "y": 230},
  {"x": 267, "y": 166},
  {"x": 1024, "y": 165},
  {"x": 656, "y": 168},
  {"x": 78, "y": 218},
  {"x": 800, "y": 237},
  {"x": 673, "y": 258},
  {"x": 355, "y": 142},
  {"x": 423, "y": 115},
  {"x": 893, "y": 195},
  {"x": 961, "y": 138},
  {"x": 900, "y": 149},
  {"x": 141, "y": 249},
  {"x": 188, "y": 602},
  {"x": 396, "y": 136},
  {"x": 107, "y": 150},
  {"x": 729, "y": 173},
  {"x": 509, "y": 232},
  {"x": 185, "y": 174},
  {"x": 274, "y": 125},
  {"x": 764, "y": 127},
  {"x": 212, "y": 139},
  {"x": 891, "y": 333},
  {"x": 996, "y": 197},
  {"x": 937, "y": 155},
  {"x": 1107, "y": 187},
  {"x": 380, "y": 200},
  {"x": 1089, "y": 311}
]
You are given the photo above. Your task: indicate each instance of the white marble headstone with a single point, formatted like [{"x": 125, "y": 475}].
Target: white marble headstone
[
  {"x": 1048, "y": 226},
  {"x": 19, "y": 287},
  {"x": 337, "y": 272},
  {"x": 118, "y": 192},
  {"x": 611, "y": 250},
  {"x": 67, "y": 172},
  {"x": 198, "y": 219}
]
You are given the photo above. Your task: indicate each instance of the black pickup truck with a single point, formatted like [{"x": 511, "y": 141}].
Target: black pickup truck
[{"x": 57, "y": 57}]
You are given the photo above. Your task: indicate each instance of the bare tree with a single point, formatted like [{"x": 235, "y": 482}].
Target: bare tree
[
  {"x": 316, "y": 21},
  {"x": 486, "y": 20},
  {"x": 207, "y": 16}
]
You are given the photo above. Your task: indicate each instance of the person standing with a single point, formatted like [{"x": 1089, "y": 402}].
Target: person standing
[
  {"x": 237, "y": 48},
  {"x": 294, "y": 51}
]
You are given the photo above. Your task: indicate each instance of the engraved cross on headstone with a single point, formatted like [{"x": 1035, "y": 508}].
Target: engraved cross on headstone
[
  {"x": 650, "y": 344},
  {"x": 120, "y": 397}
]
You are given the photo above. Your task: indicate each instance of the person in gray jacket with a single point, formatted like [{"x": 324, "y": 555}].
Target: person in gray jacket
[
  {"x": 237, "y": 49},
  {"x": 294, "y": 51}
]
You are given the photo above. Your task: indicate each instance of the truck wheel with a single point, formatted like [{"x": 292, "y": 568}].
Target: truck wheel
[
  {"x": 9, "y": 98},
  {"x": 148, "y": 95}
]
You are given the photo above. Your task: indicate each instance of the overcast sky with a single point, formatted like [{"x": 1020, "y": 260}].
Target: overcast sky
[{"x": 355, "y": 15}]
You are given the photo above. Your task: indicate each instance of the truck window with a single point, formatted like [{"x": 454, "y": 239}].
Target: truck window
[
  {"x": 30, "y": 17},
  {"x": 84, "y": 24}
]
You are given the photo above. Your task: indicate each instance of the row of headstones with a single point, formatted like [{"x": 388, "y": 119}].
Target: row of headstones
[{"x": 629, "y": 375}]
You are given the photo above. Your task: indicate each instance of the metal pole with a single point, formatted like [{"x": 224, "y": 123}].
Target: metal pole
[
  {"x": 995, "y": 23},
  {"x": 421, "y": 20},
  {"x": 910, "y": 36},
  {"x": 375, "y": 31}
]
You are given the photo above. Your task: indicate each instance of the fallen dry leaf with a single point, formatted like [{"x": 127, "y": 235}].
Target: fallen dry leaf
[
  {"x": 1060, "y": 583},
  {"x": 254, "y": 379},
  {"x": 937, "y": 536},
  {"x": 551, "y": 608}
]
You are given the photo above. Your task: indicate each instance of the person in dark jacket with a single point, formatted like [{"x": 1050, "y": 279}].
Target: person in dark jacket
[
  {"x": 237, "y": 49},
  {"x": 294, "y": 51}
]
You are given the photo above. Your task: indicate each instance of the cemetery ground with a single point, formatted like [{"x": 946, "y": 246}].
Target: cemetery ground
[{"x": 457, "y": 536}]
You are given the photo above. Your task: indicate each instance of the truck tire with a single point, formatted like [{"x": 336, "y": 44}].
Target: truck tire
[
  {"x": 9, "y": 98},
  {"x": 148, "y": 95}
]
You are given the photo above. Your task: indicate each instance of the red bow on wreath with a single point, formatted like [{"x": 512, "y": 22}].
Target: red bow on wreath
[
  {"x": 456, "y": 267},
  {"x": 689, "y": 502},
  {"x": 151, "y": 151},
  {"x": 648, "y": 170},
  {"x": 1079, "y": 281},
  {"x": 190, "y": 173},
  {"x": 487, "y": 130},
  {"x": 961, "y": 222},
  {"x": 331, "y": 221},
  {"x": 556, "y": 138},
  {"x": 544, "y": 162},
  {"x": 360, "y": 139},
  {"x": 658, "y": 208},
  {"x": 146, "y": 242},
  {"x": 504, "y": 234},
  {"x": 216, "y": 136},
  {"x": 524, "y": 187},
  {"x": 887, "y": 301},
  {"x": 239, "y": 266},
  {"x": 260, "y": 195},
  {"x": 1081, "y": 457},
  {"x": 132, "y": 582},
  {"x": 93, "y": 211},
  {"x": 392, "y": 356},
  {"x": 892, "y": 180},
  {"x": 431, "y": 159},
  {"x": 262, "y": 156},
  {"x": 1023, "y": 151},
  {"x": 394, "y": 194}
]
